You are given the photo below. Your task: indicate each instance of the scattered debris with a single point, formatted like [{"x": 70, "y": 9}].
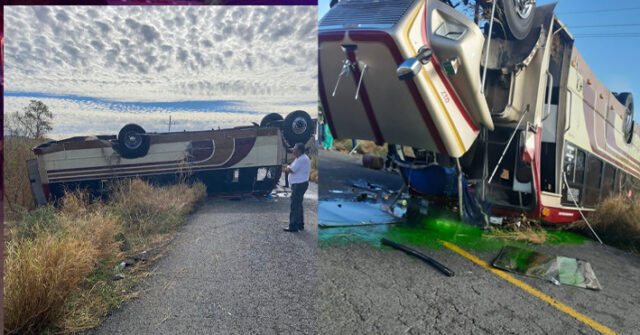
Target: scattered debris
[
  {"x": 118, "y": 271},
  {"x": 366, "y": 196},
  {"x": 556, "y": 269},
  {"x": 362, "y": 197},
  {"x": 365, "y": 185},
  {"x": 419, "y": 255},
  {"x": 496, "y": 220},
  {"x": 332, "y": 213},
  {"x": 279, "y": 193},
  {"x": 519, "y": 228}
]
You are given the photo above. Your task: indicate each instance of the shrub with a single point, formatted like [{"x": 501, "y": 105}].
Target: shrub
[
  {"x": 59, "y": 262},
  {"x": 40, "y": 275},
  {"x": 145, "y": 208},
  {"x": 33, "y": 222},
  {"x": 615, "y": 221}
]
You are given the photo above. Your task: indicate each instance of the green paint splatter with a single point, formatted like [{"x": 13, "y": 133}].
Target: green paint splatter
[{"x": 428, "y": 232}]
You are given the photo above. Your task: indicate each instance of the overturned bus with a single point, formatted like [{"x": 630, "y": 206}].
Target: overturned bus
[
  {"x": 513, "y": 106},
  {"x": 236, "y": 161}
]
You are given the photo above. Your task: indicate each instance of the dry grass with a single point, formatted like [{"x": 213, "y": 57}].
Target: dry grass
[
  {"x": 615, "y": 220},
  {"x": 364, "y": 147},
  {"x": 40, "y": 275},
  {"x": 59, "y": 265},
  {"x": 81, "y": 219},
  {"x": 313, "y": 175},
  {"x": 144, "y": 208},
  {"x": 519, "y": 229},
  {"x": 17, "y": 189},
  {"x": 530, "y": 235}
]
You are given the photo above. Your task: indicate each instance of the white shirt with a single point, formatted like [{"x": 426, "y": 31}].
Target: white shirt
[{"x": 300, "y": 169}]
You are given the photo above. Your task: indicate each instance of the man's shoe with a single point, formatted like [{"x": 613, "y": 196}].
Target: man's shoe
[
  {"x": 291, "y": 230},
  {"x": 301, "y": 228}
]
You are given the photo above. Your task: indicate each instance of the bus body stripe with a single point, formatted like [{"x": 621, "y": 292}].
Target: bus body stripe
[{"x": 443, "y": 78}]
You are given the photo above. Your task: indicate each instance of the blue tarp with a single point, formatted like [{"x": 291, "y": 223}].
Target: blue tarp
[{"x": 441, "y": 181}]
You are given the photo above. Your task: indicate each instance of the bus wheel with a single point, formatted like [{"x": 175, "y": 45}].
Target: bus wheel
[
  {"x": 297, "y": 127},
  {"x": 132, "y": 141},
  {"x": 626, "y": 99},
  {"x": 519, "y": 16},
  {"x": 270, "y": 119}
]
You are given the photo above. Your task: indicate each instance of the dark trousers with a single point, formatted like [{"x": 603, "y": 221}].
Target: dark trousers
[{"x": 296, "y": 219}]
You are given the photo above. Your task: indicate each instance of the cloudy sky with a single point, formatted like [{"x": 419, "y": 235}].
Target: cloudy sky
[{"x": 98, "y": 68}]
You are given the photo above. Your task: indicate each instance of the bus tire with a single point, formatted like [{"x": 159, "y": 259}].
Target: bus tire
[
  {"x": 296, "y": 127},
  {"x": 519, "y": 17},
  {"x": 269, "y": 119},
  {"x": 626, "y": 98},
  {"x": 133, "y": 142}
]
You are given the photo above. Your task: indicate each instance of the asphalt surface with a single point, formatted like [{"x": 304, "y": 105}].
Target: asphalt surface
[
  {"x": 365, "y": 289},
  {"x": 231, "y": 270}
]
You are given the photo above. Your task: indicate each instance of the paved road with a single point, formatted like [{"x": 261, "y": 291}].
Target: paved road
[
  {"x": 365, "y": 289},
  {"x": 231, "y": 270}
]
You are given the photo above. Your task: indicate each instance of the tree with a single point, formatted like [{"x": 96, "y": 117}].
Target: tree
[{"x": 33, "y": 122}]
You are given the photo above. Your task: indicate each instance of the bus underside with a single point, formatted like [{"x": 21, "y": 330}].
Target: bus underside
[{"x": 501, "y": 105}]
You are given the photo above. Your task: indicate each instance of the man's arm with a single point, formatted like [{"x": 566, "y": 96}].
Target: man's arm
[{"x": 293, "y": 167}]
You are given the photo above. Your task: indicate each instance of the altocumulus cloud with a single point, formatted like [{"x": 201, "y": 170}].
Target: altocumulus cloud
[{"x": 262, "y": 56}]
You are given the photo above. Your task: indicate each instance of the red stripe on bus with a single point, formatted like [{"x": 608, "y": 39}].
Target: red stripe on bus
[
  {"x": 364, "y": 97},
  {"x": 589, "y": 119},
  {"x": 443, "y": 78}
]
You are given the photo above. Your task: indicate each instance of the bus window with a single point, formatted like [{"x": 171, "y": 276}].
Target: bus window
[
  {"x": 569, "y": 161},
  {"x": 579, "y": 175},
  {"x": 574, "y": 160},
  {"x": 617, "y": 181},
  {"x": 592, "y": 181},
  {"x": 607, "y": 180}
]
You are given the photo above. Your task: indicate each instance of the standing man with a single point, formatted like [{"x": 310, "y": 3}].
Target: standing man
[{"x": 299, "y": 180}]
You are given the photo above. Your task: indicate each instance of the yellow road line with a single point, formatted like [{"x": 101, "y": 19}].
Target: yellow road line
[{"x": 572, "y": 312}]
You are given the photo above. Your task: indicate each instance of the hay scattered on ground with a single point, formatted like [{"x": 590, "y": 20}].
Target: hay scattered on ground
[
  {"x": 364, "y": 147},
  {"x": 519, "y": 229}
]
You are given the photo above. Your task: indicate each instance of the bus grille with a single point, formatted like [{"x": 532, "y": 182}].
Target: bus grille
[{"x": 365, "y": 13}]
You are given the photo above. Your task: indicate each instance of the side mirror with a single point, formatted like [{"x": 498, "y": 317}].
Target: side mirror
[
  {"x": 409, "y": 68},
  {"x": 412, "y": 66}
]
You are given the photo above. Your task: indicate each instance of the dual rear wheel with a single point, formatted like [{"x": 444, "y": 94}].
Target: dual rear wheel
[
  {"x": 297, "y": 127},
  {"x": 518, "y": 15}
]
